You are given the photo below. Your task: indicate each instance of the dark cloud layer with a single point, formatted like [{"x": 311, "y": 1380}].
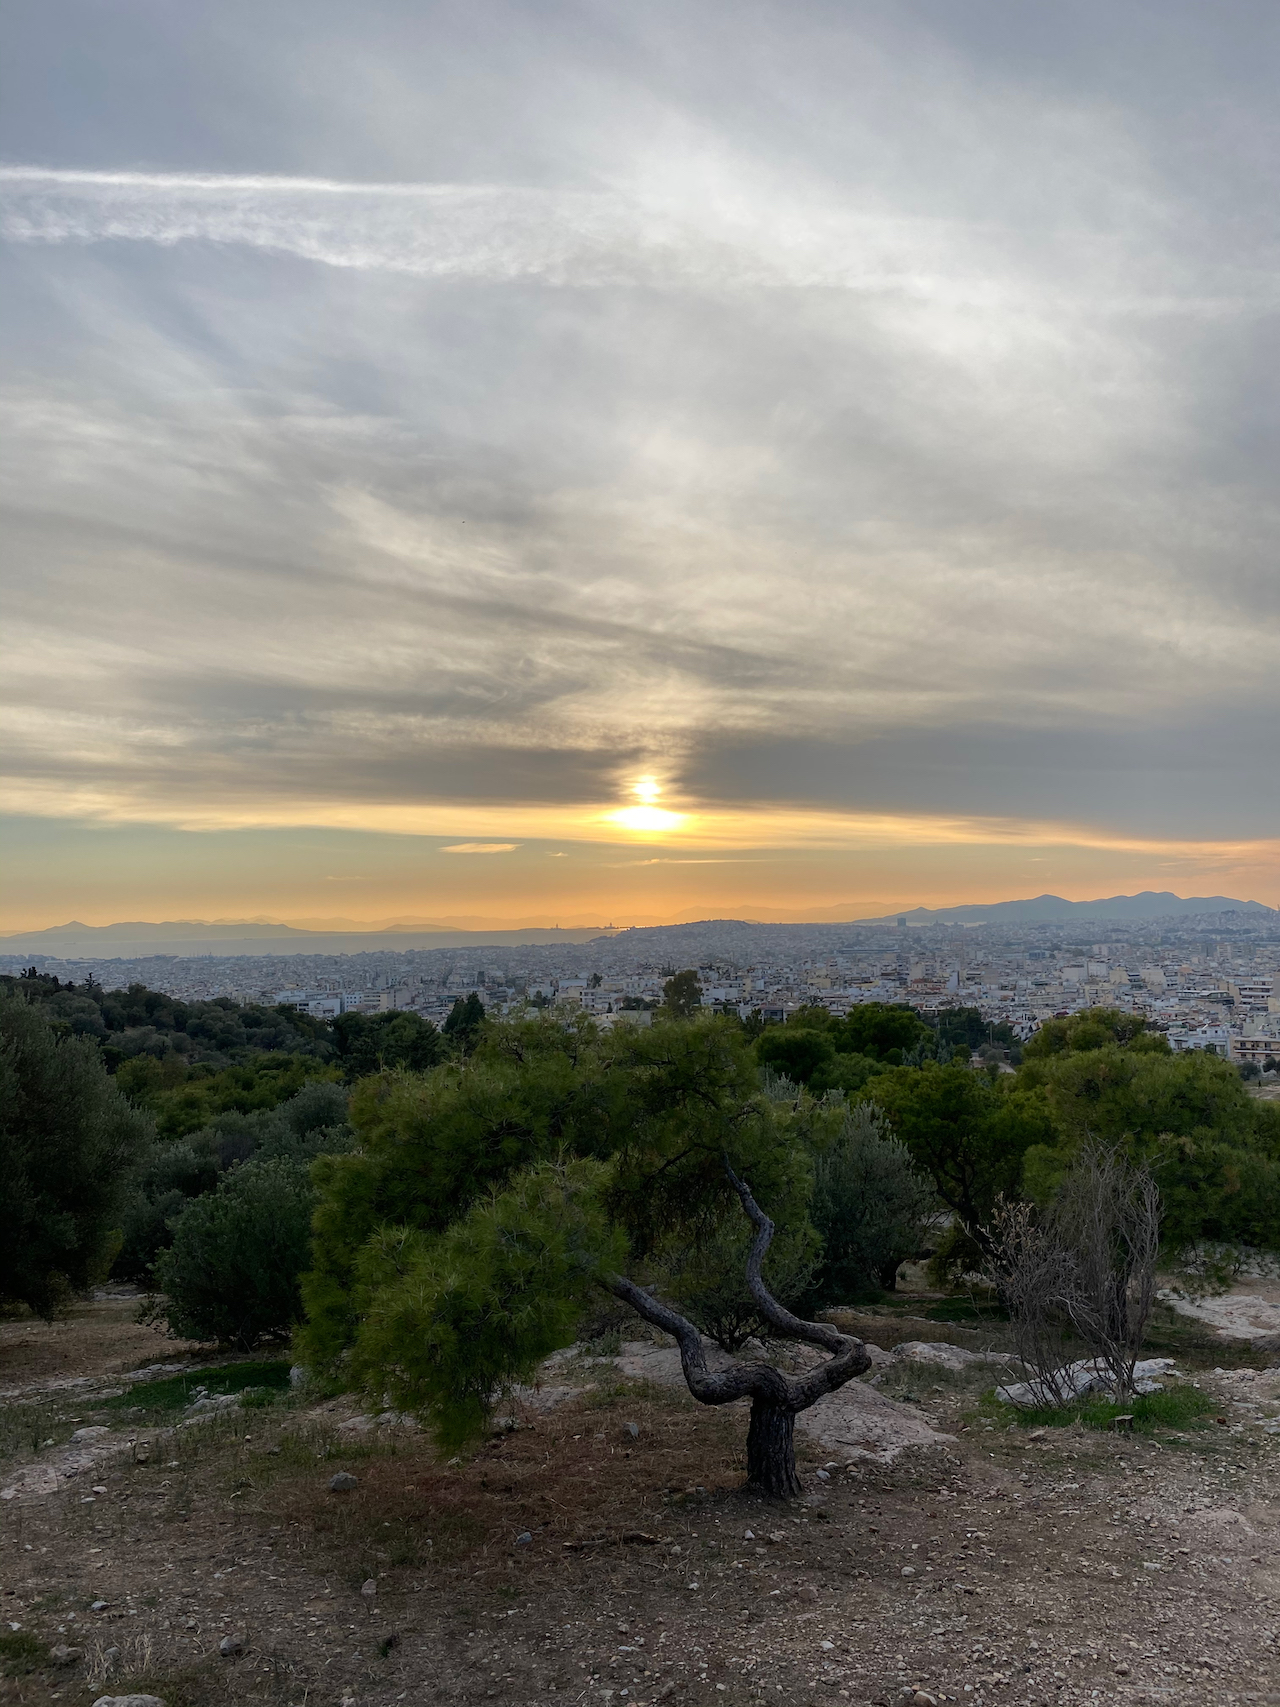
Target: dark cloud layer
[{"x": 857, "y": 408}]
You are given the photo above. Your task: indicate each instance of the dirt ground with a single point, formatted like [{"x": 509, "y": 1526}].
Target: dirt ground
[
  {"x": 603, "y": 1551},
  {"x": 93, "y": 1341}
]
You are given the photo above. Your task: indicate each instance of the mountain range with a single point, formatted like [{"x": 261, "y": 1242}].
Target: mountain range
[
  {"x": 235, "y": 937},
  {"x": 227, "y": 938},
  {"x": 1046, "y": 909}
]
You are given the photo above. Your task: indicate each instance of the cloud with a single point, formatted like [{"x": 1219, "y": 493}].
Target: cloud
[
  {"x": 481, "y": 848},
  {"x": 877, "y": 448}
]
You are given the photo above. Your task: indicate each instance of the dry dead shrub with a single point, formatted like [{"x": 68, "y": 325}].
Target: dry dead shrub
[
  {"x": 1031, "y": 1271},
  {"x": 1107, "y": 1218},
  {"x": 1085, "y": 1267}
]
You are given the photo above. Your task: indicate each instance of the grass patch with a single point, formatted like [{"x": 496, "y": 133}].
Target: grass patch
[
  {"x": 176, "y": 1392},
  {"x": 1175, "y": 1408},
  {"x": 26, "y": 1428},
  {"x": 965, "y": 1310},
  {"x": 21, "y": 1653},
  {"x": 193, "y": 1686},
  {"x": 1196, "y": 1344},
  {"x": 613, "y": 1391}
]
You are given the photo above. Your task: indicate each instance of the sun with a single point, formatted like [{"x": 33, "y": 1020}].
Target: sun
[{"x": 647, "y": 817}]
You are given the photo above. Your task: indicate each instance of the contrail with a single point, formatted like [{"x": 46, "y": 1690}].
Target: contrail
[
  {"x": 169, "y": 181},
  {"x": 570, "y": 237}
]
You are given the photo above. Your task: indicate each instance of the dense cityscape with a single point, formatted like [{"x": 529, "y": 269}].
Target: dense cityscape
[{"x": 1210, "y": 981}]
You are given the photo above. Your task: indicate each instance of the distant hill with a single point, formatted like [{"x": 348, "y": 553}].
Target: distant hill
[
  {"x": 1045, "y": 909},
  {"x": 238, "y": 937},
  {"x": 235, "y": 937}
]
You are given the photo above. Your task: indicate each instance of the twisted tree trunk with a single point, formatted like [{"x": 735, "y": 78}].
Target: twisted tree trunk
[
  {"x": 776, "y": 1399},
  {"x": 771, "y": 1449}
]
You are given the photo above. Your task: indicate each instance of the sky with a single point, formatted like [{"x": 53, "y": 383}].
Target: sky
[{"x": 598, "y": 463}]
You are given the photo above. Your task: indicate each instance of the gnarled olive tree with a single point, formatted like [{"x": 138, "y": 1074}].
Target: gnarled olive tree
[
  {"x": 489, "y": 1201},
  {"x": 776, "y": 1399}
]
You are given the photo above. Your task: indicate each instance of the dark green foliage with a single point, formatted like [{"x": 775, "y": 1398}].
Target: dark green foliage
[
  {"x": 183, "y": 1101},
  {"x": 1213, "y": 1150},
  {"x": 1109, "y": 1092},
  {"x": 665, "y": 1103},
  {"x": 968, "y": 1133},
  {"x": 682, "y": 1098},
  {"x": 794, "y": 1052},
  {"x": 701, "y": 1274},
  {"x": 452, "y": 1319},
  {"x": 964, "y": 1029},
  {"x": 375, "y": 1043},
  {"x": 881, "y": 1031},
  {"x": 232, "y": 1272},
  {"x": 311, "y": 1123},
  {"x": 160, "y": 1187},
  {"x": 68, "y": 1141},
  {"x": 813, "y": 1048},
  {"x": 682, "y": 995},
  {"x": 429, "y": 1146},
  {"x": 138, "y": 1021},
  {"x": 616, "y": 1146},
  {"x": 1093, "y": 1029},
  {"x": 466, "y": 1017},
  {"x": 845, "y": 1073},
  {"x": 871, "y": 1205}
]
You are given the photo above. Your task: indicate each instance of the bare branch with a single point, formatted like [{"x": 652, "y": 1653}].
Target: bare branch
[
  {"x": 777, "y": 1316},
  {"x": 1108, "y": 1217},
  {"x": 1088, "y": 1264}
]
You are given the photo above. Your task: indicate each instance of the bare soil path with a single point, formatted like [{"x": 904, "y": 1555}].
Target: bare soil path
[{"x": 98, "y": 1338}]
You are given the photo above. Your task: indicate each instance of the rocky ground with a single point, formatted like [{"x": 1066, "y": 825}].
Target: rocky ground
[{"x": 602, "y": 1551}]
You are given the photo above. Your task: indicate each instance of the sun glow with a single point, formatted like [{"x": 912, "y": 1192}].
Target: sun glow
[{"x": 646, "y": 817}]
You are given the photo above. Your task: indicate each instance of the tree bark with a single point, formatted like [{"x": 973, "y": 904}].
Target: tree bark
[
  {"x": 775, "y": 1397},
  {"x": 771, "y": 1450}
]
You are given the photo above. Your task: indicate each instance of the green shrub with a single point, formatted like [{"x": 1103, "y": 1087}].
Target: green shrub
[
  {"x": 794, "y": 1052},
  {"x": 871, "y": 1206},
  {"x": 457, "y": 1316},
  {"x": 378, "y": 1043},
  {"x": 311, "y": 1123},
  {"x": 198, "y": 1098},
  {"x": 232, "y": 1272},
  {"x": 68, "y": 1140},
  {"x": 847, "y": 1073}
]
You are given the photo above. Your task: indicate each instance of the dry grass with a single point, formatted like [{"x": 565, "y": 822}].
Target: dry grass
[
  {"x": 889, "y": 1328},
  {"x": 574, "y": 1480},
  {"x": 94, "y": 1340}
]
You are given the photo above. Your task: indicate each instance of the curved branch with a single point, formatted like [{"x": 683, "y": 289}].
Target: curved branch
[
  {"x": 849, "y": 1357},
  {"x": 709, "y": 1387},
  {"x": 815, "y": 1333}
]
